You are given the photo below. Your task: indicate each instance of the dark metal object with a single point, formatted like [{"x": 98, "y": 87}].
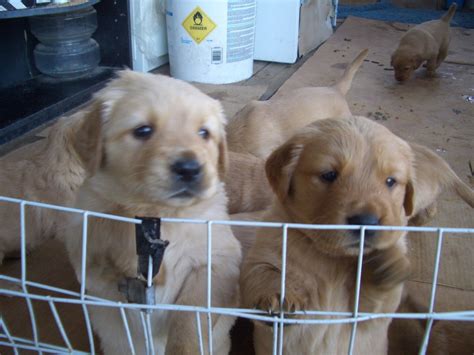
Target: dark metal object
[
  {"x": 135, "y": 291},
  {"x": 149, "y": 244}
]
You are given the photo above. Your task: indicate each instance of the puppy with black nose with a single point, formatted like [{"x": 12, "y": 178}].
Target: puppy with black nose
[
  {"x": 148, "y": 152},
  {"x": 335, "y": 171},
  {"x": 187, "y": 176}
]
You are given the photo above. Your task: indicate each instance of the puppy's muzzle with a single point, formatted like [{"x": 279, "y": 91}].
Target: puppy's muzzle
[
  {"x": 187, "y": 171},
  {"x": 366, "y": 219}
]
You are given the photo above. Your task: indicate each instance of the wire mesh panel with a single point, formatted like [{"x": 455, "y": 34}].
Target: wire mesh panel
[{"x": 54, "y": 297}]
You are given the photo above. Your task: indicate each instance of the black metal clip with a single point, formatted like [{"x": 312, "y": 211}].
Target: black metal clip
[{"x": 149, "y": 245}]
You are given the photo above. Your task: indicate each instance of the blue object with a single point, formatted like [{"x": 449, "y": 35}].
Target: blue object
[
  {"x": 384, "y": 10},
  {"x": 460, "y": 3}
]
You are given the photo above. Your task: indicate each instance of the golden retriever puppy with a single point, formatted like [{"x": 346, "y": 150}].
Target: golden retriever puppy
[
  {"x": 262, "y": 126},
  {"x": 53, "y": 173},
  {"x": 246, "y": 184},
  {"x": 354, "y": 172},
  {"x": 50, "y": 174},
  {"x": 155, "y": 146},
  {"x": 428, "y": 41}
]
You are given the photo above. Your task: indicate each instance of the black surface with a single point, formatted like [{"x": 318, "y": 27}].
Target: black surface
[
  {"x": 16, "y": 52},
  {"x": 113, "y": 33},
  {"x": 49, "y": 9},
  {"x": 28, "y": 99},
  {"x": 38, "y": 100}
]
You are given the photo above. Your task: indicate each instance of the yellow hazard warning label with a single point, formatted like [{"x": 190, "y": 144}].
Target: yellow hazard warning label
[{"x": 198, "y": 25}]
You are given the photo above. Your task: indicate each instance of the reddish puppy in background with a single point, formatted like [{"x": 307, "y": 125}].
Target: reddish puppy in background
[{"x": 428, "y": 41}]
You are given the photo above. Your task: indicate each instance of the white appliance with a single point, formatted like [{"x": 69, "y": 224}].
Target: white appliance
[
  {"x": 287, "y": 29},
  {"x": 148, "y": 34}
]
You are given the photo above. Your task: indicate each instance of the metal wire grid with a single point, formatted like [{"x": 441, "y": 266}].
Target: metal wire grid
[{"x": 84, "y": 300}]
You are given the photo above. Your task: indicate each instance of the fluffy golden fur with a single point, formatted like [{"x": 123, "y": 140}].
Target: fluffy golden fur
[
  {"x": 155, "y": 146},
  {"x": 262, "y": 126},
  {"x": 335, "y": 172},
  {"x": 341, "y": 171},
  {"x": 54, "y": 172},
  {"x": 427, "y": 42},
  {"x": 246, "y": 184},
  {"x": 433, "y": 176},
  {"x": 50, "y": 174}
]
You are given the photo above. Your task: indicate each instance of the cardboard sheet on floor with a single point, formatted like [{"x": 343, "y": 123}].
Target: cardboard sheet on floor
[
  {"x": 233, "y": 97},
  {"x": 433, "y": 112}
]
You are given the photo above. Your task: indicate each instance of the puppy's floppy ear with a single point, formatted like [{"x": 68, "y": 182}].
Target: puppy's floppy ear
[
  {"x": 223, "y": 156},
  {"x": 88, "y": 139},
  {"x": 280, "y": 167},
  {"x": 222, "y": 162},
  {"x": 432, "y": 176},
  {"x": 409, "y": 201},
  {"x": 417, "y": 61}
]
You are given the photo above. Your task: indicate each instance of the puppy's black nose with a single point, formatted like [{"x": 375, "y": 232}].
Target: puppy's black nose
[
  {"x": 366, "y": 219},
  {"x": 186, "y": 170}
]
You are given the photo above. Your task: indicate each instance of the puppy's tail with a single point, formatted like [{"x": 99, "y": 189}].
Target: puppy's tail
[
  {"x": 464, "y": 191},
  {"x": 344, "y": 84},
  {"x": 433, "y": 170},
  {"x": 454, "y": 183},
  {"x": 447, "y": 17}
]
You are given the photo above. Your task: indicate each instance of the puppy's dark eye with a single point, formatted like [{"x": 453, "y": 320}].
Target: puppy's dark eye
[
  {"x": 204, "y": 133},
  {"x": 390, "y": 182},
  {"x": 143, "y": 132},
  {"x": 330, "y": 176}
]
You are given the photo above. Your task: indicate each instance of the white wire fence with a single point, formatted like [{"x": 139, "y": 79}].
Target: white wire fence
[{"x": 84, "y": 301}]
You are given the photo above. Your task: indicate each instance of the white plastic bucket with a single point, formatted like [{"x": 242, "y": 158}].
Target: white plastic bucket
[{"x": 211, "y": 41}]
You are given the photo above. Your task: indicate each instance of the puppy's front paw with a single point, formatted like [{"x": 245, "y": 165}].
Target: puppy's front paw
[
  {"x": 387, "y": 268},
  {"x": 293, "y": 302}
]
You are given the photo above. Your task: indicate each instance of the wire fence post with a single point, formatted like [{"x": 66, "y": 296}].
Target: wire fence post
[
  {"x": 209, "y": 283},
  {"x": 282, "y": 288},
  {"x": 127, "y": 329},
  {"x": 59, "y": 323},
  {"x": 145, "y": 333},
  {"x": 85, "y": 226},
  {"x": 199, "y": 333},
  {"x": 149, "y": 284},
  {"x": 8, "y": 335},
  {"x": 80, "y": 298},
  {"x": 426, "y": 337},
  {"x": 275, "y": 336},
  {"x": 85, "y": 222},
  {"x": 24, "y": 287},
  {"x": 357, "y": 290}
]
